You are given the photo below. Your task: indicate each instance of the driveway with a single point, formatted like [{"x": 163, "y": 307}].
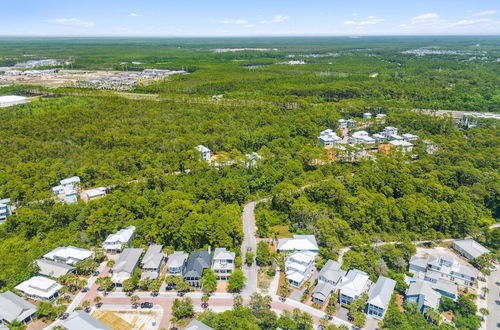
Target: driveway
[{"x": 493, "y": 301}]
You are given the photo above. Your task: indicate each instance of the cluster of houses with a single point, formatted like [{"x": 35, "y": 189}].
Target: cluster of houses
[
  {"x": 437, "y": 276},
  {"x": 301, "y": 252},
  {"x": 249, "y": 160},
  {"x": 179, "y": 263},
  {"x": 68, "y": 190},
  {"x": 329, "y": 138}
]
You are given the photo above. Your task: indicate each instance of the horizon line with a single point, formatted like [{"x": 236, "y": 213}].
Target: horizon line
[{"x": 353, "y": 36}]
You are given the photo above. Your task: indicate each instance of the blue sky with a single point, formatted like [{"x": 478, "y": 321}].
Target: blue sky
[{"x": 247, "y": 18}]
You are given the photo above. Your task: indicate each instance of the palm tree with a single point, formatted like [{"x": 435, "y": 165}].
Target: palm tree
[
  {"x": 484, "y": 312},
  {"x": 204, "y": 301},
  {"x": 134, "y": 299},
  {"x": 485, "y": 290},
  {"x": 323, "y": 322},
  {"x": 237, "y": 300},
  {"x": 86, "y": 305},
  {"x": 267, "y": 300},
  {"x": 97, "y": 301}
]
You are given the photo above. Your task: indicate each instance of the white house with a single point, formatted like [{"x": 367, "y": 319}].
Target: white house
[
  {"x": 446, "y": 267},
  {"x": 409, "y": 137},
  {"x": 13, "y": 307},
  {"x": 367, "y": 115},
  {"x": 353, "y": 285},
  {"x": 469, "y": 248},
  {"x": 80, "y": 320},
  {"x": 205, "y": 152},
  {"x": 328, "y": 138},
  {"x": 299, "y": 267},
  {"x": 9, "y": 100},
  {"x": 404, "y": 146},
  {"x": 176, "y": 263},
  {"x": 342, "y": 123},
  {"x": 389, "y": 130},
  {"x": 92, "y": 194},
  {"x": 67, "y": 190},
  {"x": 125, "y": 265},
  {"x": 69, "y": 254},
  {"x": 379, "y": 297},
  {"x": 298, "y": 242},
  {"x": 223, "y": 263},
  {"x": 5, "y": 209},
  {"x": 152, "y": 261},
  {"x": 115, "y": 242},
  {"x": 378, "y": 137},
  {"x": 361, "y": 137},
  {"x": 39, "y": 288},
  {"x": 329, "y": 278}
]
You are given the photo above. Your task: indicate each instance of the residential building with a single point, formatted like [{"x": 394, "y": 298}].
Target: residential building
[
  {"x": 351, "y": 122},
  {"x": 39, "y": 288},
  {"x": 53, "y": 269},
  {"x": 378, "y": 137},
  {"x": 361, "y": 137},
  {"x": 69, "y": 254},
  {"x": 115, "y": 242},
  {"x": 9, "y": 100},
  {"x": 198, "y": 261},
  {"x": 409, "y": 137},
  {"x": 353, "y": 285},
  {"x": 197, "y": 325},
  {"x": 328, "y": 138},
  {"x": 430, "y": 147},
  {"x": 404, "y": 146},
  {"x": 469, "y": 248},
  {"x": 67, "y": 190},
  {"x": 422, "y": 293},
  {"x": 125, "y": 265},
  {"x": 380, "y": 116},
  {"x": 205, "y": 152},
  {"x": 441, "y": 286},
  {"x": 5, "y": 209},
  {"x": 223, "y": 263},
  {"x": 389, "y": 130},
  {"x": 176, "y": 263},
  {"x": 367, "y": 115},
  {"x": 152, "y": 261},
  {"x": 80, "y": 320},
  {"x": 13, "y": 307},
  {"x": 252, "y": 159},
  {"x": 395, "y": 137},
  {"x": 92, "y": 194},
  {"x": 299, "y": 267},
  {"x": 379, "y": 297},
  {"x": 342, "y": 123},
  {"x": 329, "y": 278},
  {"x": 446, "y": 267},
  {"x": 298, "y": 242}
]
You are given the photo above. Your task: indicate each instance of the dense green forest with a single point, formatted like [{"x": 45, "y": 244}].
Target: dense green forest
[{"x": 145, "y": 148}]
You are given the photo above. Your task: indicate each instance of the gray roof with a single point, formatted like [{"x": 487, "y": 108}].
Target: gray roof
[
  {"x": 471, "y": 247},
  {"x": 424, "y": 288},
  {"x": 79, "y": 320},
  {"x": 176, "y": 259},
  {"x": 127, "y": 261},
  {"x": 197, "y": 325},
  {"x": 153, "y": 257},
  {"x": 331, "y": 271},
  {"x": 466, "y": 270},
  {"x": 150, "y": 274},
  {"x": 322, "y": 290},
  {"x": 197, "y": 263},
  {"x": 223, "y": 254},
  {"x": 445, "y": 286},
  {"x": 418, "y": 261},
  {"x": 13, "y": 307},
  {"x": 380, "y": 294},
  {"x": 52, "y": 268}
]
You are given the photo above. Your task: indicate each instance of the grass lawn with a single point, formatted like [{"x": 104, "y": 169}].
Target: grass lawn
[{"x": 283, "y": 231}]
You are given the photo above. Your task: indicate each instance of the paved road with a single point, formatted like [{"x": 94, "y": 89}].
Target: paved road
[
  {"x": 249, "y": 244},
  {"x": 493, "y": 301}
]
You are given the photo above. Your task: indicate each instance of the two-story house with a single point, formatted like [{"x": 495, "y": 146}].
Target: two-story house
[
  {"x": 299, "y": 267},
  {"x": 176, "y": 263},
  {"x": 152, "y": 261},
  {"x": 353, "y": 285},
  {"x": 115, "y": 242},
  {"x": 197, "y": 263},
  {"x": 329, "y": 278},
  {"x": 5, "y": 209},
  {"x": 125, "y": 265},
  {"x": 223, "y": 263},
  {"x": 379, "y": 297}
]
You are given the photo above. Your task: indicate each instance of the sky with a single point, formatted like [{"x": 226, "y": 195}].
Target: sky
[{"x": 188, "y": 18}]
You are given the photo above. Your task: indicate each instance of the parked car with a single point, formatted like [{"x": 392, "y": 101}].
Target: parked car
[
  {"x": 64, "y": 316},
  {"x": 85, "y": 289},
  {"x": 147, "y": 304},
  {"x": 96, "y": 273}
]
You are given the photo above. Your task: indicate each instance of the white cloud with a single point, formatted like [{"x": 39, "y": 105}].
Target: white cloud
[
  {"x": 276, "y": 19},
  {"x": 236, "y": 21},
  {"x": 485, "y": 13},
  {"x": 73, "y": 22},
  {"x": 370, "y": 20},
  {"x": 473, "y": 21},
  {"x": 428, "y": 19},
  {"x": 134, "y": 15}
]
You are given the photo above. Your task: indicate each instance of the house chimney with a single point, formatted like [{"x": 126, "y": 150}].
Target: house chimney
[{"x": 209, "y": 250}]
